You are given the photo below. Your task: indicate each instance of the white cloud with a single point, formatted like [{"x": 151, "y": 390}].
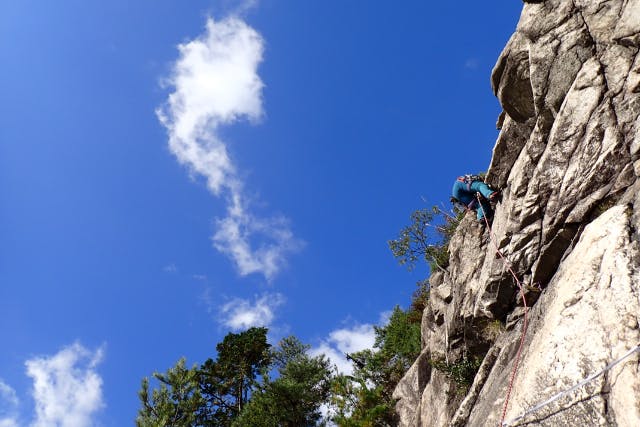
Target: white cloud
[
  {"x": 216, "y": 83},
  {"x": 67, "y": 390},
  {"x": 328, "y": 412},
  {"x": 240, "y": 314},
  {"x": 385, "y": 316},
  {"x": 8, "y": 405},
  {"x": 234, "y": 239},
  {"x": 345, "y": 341},
  {"x": 8, "y": 394},
  {"x": 245, "y": 6}
]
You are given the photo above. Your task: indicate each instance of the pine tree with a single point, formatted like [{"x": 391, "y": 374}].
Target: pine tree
[
  {"x": 177, "y": 402},
  {"x": 364, "y": 399},
  {"x": 294, "y": 398},
  {"x": 227, "y": 382}
]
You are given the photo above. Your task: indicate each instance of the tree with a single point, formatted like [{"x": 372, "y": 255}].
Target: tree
[
  {"x": 364, "y": 399},
  {"x": 294, "y": 398},
  {"x": 177, "y": 402},
  {"x": 426, "y": 238},
  {"x": 399, "y": 339},
  {"x": 213, "y": 394},
  {"x": 236, "y": 388},
  {"x": 360, "y": 403},
  {"x": 227, "y": 382}
]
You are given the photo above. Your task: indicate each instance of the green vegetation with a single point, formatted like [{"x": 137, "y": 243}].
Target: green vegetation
[
  {"x": 293, "y": 399},
  {"x": 461, "y": 372},
  {"x": 419, "y": 301},
  {"x": 492, "y": 329},
  {"x": 603, "y": 206},
  {"x": 364, "y": 398},
  {"x": 426, "y": 238},
  {"x": 177, "y": 402},
  {"x": 227, "y": 381},
  {"x": 226, "y": 392},
  {"x": 250, "y": 383}
]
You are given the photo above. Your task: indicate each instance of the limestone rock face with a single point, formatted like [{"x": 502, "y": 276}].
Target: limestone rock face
[{"x": 568, "y": 163}]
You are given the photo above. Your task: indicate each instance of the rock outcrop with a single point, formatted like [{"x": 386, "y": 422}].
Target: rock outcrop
[{"x": 568, "y": 162}]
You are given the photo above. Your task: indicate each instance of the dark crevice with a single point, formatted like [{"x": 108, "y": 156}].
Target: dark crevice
[
  {"x": 598, "y": 55},
  {"x": 552, "y": 253}
]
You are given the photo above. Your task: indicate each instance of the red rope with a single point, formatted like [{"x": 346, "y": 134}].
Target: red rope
[{"x": 526, "y": 313}]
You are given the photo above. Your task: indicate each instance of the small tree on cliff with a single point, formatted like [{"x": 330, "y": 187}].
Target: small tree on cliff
[{"x": 426, "y": 238}]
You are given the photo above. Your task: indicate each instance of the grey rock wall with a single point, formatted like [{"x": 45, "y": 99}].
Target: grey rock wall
[{"x": 568, "y": 162}]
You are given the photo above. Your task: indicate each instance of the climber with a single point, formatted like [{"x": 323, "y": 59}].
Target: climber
[{"x": 465, "y": 191}]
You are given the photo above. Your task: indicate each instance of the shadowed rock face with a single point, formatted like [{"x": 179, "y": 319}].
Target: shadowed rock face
[{"x": 568, "y": 161}]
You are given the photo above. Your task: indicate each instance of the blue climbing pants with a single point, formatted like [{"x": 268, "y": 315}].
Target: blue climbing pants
[{"x": 467, "y": 196}]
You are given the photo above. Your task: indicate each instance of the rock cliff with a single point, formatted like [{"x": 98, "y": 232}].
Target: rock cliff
[{"x": 568, "y": 162}]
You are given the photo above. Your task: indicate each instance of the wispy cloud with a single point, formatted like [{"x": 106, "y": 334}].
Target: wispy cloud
[
  {"x": 67, "y": 390},
  {"x": 244, "y": 6},
  {"x": 170, "y": 268},
  {"x": 345, "y": 341},
  {"x": 8, "y": 405},
  {"x": 9, "y": 422},
  {"x": 8, "y": 394},
  {"x": 471, "y": 64},
  {"x": 240, "y": 314},
  {"x": 216, "y": 83}
]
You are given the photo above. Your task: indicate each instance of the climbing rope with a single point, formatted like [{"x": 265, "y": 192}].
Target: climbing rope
[
  {"x": 526, "y": 311},
  {"x": 566, "y": 392},
  {"x": 556, "y": 396}
]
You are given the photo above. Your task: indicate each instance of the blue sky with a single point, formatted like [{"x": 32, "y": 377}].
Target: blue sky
[{"x": 171, "y": 171}]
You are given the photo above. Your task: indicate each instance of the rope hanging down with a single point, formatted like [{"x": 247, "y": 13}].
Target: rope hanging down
[
  {"x": 526, "y": 311},
  {"x": 561, "y": 394},
  {"x": 565, "y": 392}
]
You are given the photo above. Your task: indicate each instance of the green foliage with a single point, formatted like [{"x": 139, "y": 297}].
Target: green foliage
[
  {"x": 426, "y": 238},
  {"x": 177, "y": 402},
  {"x": 212, "y": 395},
  {"x": 227, "y": 392},
  {"x": 399, "y": 339},
  {"x": 461, "y": 372},
  {"x": 226, "y": 382},
  {"x": 289, "y": 349},
  {"x": 492, "y": 329},
  {"x": 419, "y": 301},
  {"x": 603, "y": 206},
  {"x": 238, "y": 389},
  {"x": 294, "y": 398},
  {"x": 359, "y": 404},
  {"x": 412, "y": 244},
  {"x": 364, "y": 398}
]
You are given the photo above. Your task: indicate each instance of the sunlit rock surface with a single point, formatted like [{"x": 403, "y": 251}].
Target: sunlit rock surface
[{"x": 567, "y": 160}]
